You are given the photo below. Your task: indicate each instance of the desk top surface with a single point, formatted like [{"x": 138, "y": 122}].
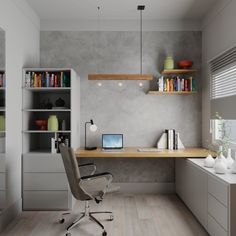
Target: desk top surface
[{"x": 134, "y": 153}]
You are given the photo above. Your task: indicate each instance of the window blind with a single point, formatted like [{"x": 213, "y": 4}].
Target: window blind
[{"x": 223, "y": 85}]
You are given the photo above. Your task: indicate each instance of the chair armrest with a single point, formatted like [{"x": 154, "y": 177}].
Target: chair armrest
[
  {"x": 88, "y": 165},
  {"x": 99, "y": 175}
]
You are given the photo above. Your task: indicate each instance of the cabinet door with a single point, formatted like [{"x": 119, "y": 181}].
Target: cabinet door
[
  {"x": 198, "y": 188},
  {"x": 181, "y": 178},
  {"x": 191, "y": 186}
]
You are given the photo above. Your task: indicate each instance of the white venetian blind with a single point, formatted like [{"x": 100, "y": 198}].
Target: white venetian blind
[{"x": 223, "y": 85}]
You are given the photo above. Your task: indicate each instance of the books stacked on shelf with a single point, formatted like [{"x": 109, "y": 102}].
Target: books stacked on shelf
[
  {"x": 170, "y": 139},
  {"x": 47, "y": 79},
  {"x": 2, "y": 79},
  {"x": 176, "y": 84}
]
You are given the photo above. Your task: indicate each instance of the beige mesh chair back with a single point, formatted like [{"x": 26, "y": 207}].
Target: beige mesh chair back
[{"x": 73, "y": 173}]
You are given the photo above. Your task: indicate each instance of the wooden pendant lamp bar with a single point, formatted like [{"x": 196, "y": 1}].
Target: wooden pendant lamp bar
[
  {"x": 120, "y": 77},
  {"x": 139, "y": 76}
]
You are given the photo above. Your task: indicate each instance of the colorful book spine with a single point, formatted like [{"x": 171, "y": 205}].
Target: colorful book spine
[{"x": 45, "y": 79}]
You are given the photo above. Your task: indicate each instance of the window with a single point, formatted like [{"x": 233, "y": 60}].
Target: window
[
  {"x": 223, "y": 97},
  {"x": 224, "y": 82}
]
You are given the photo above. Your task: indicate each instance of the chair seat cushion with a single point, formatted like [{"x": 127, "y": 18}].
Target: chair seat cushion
[
  {"x": 97, "y": 187},
  {"x": 113, "y": 188}
]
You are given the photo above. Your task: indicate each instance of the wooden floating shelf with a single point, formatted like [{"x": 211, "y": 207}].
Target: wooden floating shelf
[
  {"x": 120, "y": 77},
  {"x": 171, "y": 93},
  {"x": 178, "y": 71}
]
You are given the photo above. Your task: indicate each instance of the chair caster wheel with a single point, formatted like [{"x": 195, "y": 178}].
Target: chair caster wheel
[
  {"x": 68, "y": 234},
  {"x": 111, "y": 218},
  {"x": 104, "y": 233},
  {"x": 61, "y": 221}
]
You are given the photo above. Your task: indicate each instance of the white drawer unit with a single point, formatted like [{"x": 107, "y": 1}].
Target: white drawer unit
[
  {"x": 45, "y": 185},
  {"x": 2, "y": 181},
  {"x": 219, "y": 193},
  {"x": 45, "y": 181},
  {"x": 45, "y": 200},
  {"x": 218, "y": 189},
  {"x": 214, "y": 228},
  {"x": 2, "y": 164},
  {"x": 43, "y": 163},
  {"x": 218, "y": 211}
]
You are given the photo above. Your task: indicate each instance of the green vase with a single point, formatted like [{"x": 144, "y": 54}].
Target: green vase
[
  {"x": 52, "y": 123},
  {"x": 2, "y": 123},
  {"x": 169, "y": 63}
]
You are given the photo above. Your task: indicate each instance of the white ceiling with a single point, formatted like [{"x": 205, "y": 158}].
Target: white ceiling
[{"x": 122, "y": 9}]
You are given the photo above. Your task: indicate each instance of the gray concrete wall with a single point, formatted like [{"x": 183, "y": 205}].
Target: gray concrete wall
[{"x": 127, "y": 109}]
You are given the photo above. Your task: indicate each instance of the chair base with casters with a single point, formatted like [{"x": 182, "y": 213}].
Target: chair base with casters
[{"x": 88, "y": 215}]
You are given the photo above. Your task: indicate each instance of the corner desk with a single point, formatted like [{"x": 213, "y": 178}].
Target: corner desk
[{"x": 132, "y": 152}]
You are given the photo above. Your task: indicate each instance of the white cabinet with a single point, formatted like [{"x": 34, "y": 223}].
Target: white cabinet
[{"x": 211, "y": 197}]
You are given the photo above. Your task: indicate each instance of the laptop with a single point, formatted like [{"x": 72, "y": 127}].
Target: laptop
[{"x": 112, "y": 142}]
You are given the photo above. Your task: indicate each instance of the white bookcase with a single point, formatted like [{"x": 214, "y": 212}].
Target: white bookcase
[{"x": 45, "y": 185}]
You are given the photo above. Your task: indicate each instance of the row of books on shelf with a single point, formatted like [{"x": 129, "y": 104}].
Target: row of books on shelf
[
  {"x": 46, "y": 79},
  {"x": 176, "y": 84},
  {"x": 170, "y": 139},
  {"x": 2, "y": 80}
]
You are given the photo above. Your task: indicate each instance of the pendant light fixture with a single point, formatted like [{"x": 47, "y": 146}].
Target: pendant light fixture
[{"x": 139, "y": 76}]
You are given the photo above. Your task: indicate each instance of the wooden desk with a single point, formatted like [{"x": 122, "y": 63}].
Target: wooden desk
[{"x": 134, "y": 153}]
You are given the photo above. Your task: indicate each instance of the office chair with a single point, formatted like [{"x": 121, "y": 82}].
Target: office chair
[{"x": 86, "y": 188}]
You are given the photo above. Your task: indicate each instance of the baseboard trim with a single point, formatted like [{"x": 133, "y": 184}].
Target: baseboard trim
[
  {"x": 9, "y": 214},
  {"x": 142, "y": 188}
]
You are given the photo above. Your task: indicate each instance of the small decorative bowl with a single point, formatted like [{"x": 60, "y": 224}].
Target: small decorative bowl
[
  {"x": 185, "y": 64},
  {"x": 41, "y": 124}
]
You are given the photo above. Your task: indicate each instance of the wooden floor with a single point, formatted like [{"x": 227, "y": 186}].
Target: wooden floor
[{"x": 140, "y": 215}]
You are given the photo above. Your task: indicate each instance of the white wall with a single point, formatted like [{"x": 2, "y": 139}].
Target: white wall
[
  {"x": 219, "y": 34},
  {"x": 22, "y": 49}
]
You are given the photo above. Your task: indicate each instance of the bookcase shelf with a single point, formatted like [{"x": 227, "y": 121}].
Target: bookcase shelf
[
  {"x": 178, "y": 71},
  {"x": 46, "y": 110},
  {"x": 46, "y": 131},
  {"x": 171, "y": 93},
  {"x": 49, "y": 89}
]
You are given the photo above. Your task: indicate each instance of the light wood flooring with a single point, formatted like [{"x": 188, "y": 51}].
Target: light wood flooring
[{"x": 135, "y": 215}]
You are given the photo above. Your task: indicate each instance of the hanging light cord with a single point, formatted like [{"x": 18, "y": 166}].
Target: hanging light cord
[{"x": 141, "y": 41}]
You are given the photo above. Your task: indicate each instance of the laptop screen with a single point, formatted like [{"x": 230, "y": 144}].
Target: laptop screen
[{"x": 112, "y": 141}]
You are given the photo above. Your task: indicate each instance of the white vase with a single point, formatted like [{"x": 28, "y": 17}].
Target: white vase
[
  {"x": 233, "y": 168},
  {"x": 229, "y": 159},
  {"x": 209, "y": 161},
  {"x": 221, "y": 156},
  {"x": 220, "y": 166}
]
